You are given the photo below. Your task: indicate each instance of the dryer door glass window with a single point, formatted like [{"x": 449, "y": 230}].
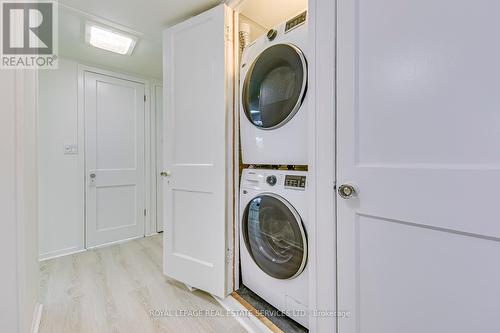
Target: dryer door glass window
[
  {"x": 275, "y": 86},
  {"x": 274, "y": 236}
]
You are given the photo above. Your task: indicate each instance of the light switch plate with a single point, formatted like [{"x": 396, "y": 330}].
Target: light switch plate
[{"x": 70, "y": 149}]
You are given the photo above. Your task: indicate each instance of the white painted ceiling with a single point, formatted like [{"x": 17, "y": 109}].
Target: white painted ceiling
[
  {"x": 143, "y": 18},
  {"x": 147, "y": 19}
]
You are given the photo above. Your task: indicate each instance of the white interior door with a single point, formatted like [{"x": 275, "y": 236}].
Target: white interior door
[
  {"x": 114, "y": 158},
  {"x": 418, "y": 138},
  {"x": 195, "y": 133}
]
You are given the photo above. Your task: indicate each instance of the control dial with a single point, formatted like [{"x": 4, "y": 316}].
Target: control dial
[
  {"x": 271, "y": 34},
  {"x": 271, "y": 180}
]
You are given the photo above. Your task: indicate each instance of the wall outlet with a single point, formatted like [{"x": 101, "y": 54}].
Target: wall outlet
[{"x": 71, "y": 149}]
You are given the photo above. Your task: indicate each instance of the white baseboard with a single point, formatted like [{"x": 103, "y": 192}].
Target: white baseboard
[
  {"x": 60, "y": 253},
  {"x": 37, "y": 317},
  {"x": 74, "y": 250},
  {"x": 249, "y": 322},
  {"x": 115, "y": 242}
]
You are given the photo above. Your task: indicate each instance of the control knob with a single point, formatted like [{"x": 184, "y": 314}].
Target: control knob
[{"x": 271, "y": 180}]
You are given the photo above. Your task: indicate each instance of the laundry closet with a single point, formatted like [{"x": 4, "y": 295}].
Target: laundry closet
[
  {"x": 240, "y": 155},
  {"x": 273, "y": 201}
]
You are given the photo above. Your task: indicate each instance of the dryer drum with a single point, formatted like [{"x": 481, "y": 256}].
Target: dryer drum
[
  {"x": 274, "y": 236},
  {"x": 275, "y": 86}
]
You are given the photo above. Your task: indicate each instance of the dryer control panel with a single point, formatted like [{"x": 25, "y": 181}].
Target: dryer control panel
[
  {"x": 295, "y": 182},
  {"x": 296, "y": 21}
]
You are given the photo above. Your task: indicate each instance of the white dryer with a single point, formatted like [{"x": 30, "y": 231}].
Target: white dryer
[
  {"x": 273, "y": 239},
  {"x": 273, "y": 87}
]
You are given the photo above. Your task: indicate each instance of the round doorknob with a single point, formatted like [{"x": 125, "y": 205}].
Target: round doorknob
[
  {"x": 346, "y": 191},
  {"x": 165, "y": 173}
]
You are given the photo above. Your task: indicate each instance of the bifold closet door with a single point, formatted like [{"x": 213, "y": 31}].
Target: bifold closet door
[
  {"x": 195, "y": 150},
  {"x": 418, "y": 140},
  {"x": 114, "y": 159}
]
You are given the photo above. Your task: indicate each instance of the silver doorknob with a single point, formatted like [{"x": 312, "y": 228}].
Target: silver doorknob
[
  {"x": 346, "y": 191},
  {"x": 92, "y": 176},
  {"x": 165, "y": 173}
]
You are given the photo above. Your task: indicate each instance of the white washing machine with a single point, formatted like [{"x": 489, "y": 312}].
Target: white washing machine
[
  {"x": 273, "y": 239},
  {"x": 273, "y": 87}
]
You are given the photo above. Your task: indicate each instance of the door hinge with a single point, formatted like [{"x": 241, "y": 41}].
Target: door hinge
[
  {"x": 145, "y": 211},
  {"x": 228, "y": 33},
  {"x": 144, "y": 98},
  {"x": 229, "y": 256}
]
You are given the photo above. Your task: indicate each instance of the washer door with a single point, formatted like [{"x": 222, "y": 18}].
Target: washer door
[
  {"x": 274, "y": 236},
  {"x": 275, "y": 86}
]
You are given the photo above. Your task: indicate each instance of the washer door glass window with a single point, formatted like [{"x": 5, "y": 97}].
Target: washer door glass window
[
  {"x": 274, "y": 236},
  {"x": 275, "y": 86}
]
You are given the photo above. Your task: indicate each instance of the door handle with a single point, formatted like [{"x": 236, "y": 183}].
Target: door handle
[
  {"x": 346, "y": 191},
  {"x": 92, "y": 177},
  {"x": 165, "y": 173}
]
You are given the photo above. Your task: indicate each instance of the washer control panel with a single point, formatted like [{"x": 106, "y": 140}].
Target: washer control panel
[
  {"x": 296, "y": 21},
  {"x": 295, "y": 182}
]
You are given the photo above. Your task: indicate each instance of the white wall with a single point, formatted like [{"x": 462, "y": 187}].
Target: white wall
[
  {"x": 8, "y": 303},
  {"x": 19, "y": 278},
  {"x": 61, "y": 177},
  {"x": 256, "y": 30}
]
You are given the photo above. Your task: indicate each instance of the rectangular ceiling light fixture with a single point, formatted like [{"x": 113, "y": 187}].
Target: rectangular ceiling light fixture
[{"x": 110, "y": 40}]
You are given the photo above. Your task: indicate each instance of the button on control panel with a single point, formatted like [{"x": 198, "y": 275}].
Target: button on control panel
[
  {"x": 295, "y": 182},
  {"x": 296, "y": 21}
]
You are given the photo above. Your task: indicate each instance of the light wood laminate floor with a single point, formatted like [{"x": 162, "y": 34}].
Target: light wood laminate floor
[{"x": 114, "y": 289}]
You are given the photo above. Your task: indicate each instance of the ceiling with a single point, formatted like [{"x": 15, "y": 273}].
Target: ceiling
[
  {"x": 147, "y": 19},
  {"x": 143, "y": 18}
]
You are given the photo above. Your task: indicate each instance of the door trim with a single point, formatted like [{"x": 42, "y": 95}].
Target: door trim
[
  {"x": 81, "y": 143},
  {"x": 156, "y": 161},
  {"x": 322, "y": 159}
]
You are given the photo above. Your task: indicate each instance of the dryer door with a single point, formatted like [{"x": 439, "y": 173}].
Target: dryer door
[
  {"x": 275, "y": 86},
  {"x": 274, "y": 236}
]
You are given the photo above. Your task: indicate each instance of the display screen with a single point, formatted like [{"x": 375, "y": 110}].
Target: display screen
[
  {"x": 295, "y": 181},
  {"x": 296, "y": 21}
]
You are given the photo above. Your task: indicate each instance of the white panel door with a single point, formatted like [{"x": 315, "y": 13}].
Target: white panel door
[
  {"x": 195, "y": 157},
  {"x": 114, "y": 158},
  {"x": 418, "y": 138}
]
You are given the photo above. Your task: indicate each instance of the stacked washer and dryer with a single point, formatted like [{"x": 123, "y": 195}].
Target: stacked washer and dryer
[{"x": 273, "y": 203}]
